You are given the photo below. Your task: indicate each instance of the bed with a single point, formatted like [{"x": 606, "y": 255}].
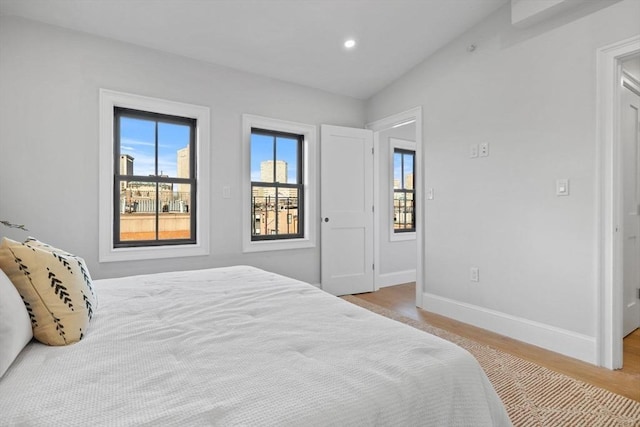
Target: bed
[{"x": 242, "y": 346}]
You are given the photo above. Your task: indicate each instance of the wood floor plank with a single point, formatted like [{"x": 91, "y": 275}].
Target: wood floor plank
[{"x": 625, "y": 382}]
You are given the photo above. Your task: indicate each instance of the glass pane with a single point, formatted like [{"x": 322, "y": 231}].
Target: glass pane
[
  {"x": 262, "y": 166},
  {"x": 137, "y": 147},
  {"x": 263, "y": 210},
  {"x": 398, "y": 207},
  {"x": 137, "y": 211},
  {"x": 174, "y": 221},
  {"x": 403, "y": 211},
  {"x": 287, "y": 160},
  {"x": 173, "y": 150},
  {"x": 408, "y": 213},
  {"x": 397, "y": 170},
  {"x": 274, "y": 217},
  {"x": 257, "y": 209},
  {"x": 288, "y": 211},
  {"x": 408, "y": 171}
]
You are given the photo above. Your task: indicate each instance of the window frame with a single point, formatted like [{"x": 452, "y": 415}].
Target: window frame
[
  {"x": 108, "y": 251},
  {"x": 309, "y": 184},
  {"x": 120, "y": 112},
  {"x": 406, "y": 146},
  {"x": 300, "y": 168}
]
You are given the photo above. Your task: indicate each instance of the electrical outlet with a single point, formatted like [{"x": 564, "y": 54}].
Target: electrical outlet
[
  {"x": 473, "y": 151},
  {"x": 474, "y": 274}
]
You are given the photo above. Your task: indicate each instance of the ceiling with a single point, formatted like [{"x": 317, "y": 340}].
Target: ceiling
[{"x": 298, "y": 41}]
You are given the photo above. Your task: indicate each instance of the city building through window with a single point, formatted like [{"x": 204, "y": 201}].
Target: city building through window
[
  {"x": 154, "y": 179},
  {"x": 403, "y": 190},
  {"x": 277, "y": 185}
]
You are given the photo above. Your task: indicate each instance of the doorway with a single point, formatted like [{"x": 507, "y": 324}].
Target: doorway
[
  {"x": 399, "y": 133},
  {"x": 349, "y": 268},
  {"x": 610, "y": 265},
  {"x": 630, "y": 192}
]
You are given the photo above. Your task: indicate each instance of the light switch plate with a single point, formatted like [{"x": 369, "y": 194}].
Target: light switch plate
[
  {"x": 430, "y": 194},
  {"x": 562, "y": 187},
  {"x": 484, "y": 149}
]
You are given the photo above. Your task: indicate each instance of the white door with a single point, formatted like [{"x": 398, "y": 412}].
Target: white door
[
  {"x": 630, "y": 140},
  {"x": 346, "y": 200}
]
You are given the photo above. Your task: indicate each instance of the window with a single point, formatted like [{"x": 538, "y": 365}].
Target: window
[
  {"x": 154, "y": 178},
  {"x": 277, "y": 196},
  {"x": 279, "y": 184},
  {"x": 403, "y": 190}
]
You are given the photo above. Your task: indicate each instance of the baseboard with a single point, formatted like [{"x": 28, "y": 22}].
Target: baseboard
[
  {"x": 395, "y": 278},
  {"x": 572, "y": 344}
]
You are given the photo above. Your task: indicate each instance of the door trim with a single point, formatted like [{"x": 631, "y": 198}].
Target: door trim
[
  {"x": 377, "y": 127},
  {"x": 609, "y": 215}
]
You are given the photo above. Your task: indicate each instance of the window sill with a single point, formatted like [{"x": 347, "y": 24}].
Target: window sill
[
  {"x": 402, "y": 237},
  {"x": 156, "y": 252},
  {"x": 277, "y": 245}
]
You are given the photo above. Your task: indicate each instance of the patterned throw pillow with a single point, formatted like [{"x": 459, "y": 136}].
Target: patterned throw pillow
[{"x": 55, "y": 286}]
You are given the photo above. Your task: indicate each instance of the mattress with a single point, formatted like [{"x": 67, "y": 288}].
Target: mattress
[{"x": 241, "y": 346}]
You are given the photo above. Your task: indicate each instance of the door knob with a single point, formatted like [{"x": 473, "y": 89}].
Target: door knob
[{"x": 326, "y": 220}]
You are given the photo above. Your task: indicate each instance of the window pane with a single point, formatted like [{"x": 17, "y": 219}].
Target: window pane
[
  {"x": 262, "y": 166},
  {"x": 403, "y": 211},
  {"x": 257, "y": 210},
  {"x": 271, "y": 216},
  {"x": 138, "y": 212},
  {"x": 287, "y": 160},
  {"x": 408, "y": 171},
  {"x": 173, "y": 150},
  {"x": 409, "y": 219},
  {"x": 397, "y": 170},
  {"x": 137, "y": 145},
  {"x": 398, "y": 207},
  {"x": 262, "y": 209},
  {"x": 288, "y": 211},
  {"x": 276, "y": 177},
  {"x": 174, "y": 221},
  {"x": 153, "y": 145}
]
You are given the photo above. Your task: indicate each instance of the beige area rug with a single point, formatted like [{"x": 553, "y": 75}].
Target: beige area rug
[{"x": 533, "y": 395}]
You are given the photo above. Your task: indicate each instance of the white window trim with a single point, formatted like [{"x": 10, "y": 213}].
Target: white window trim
[
  {"x": 309, "y": 133},
  {"x": 110, "y": 99},
  {"x": 405, "y": 145}
]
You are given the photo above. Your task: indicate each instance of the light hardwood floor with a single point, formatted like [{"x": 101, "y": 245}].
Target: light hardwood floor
[{"x": 626, "y": 381}]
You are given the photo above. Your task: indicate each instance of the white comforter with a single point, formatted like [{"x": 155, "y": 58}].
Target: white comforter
[{"x": 240, "y": 346}]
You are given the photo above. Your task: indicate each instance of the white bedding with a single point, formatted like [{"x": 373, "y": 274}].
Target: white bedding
[{"x": 240, "y": 346}]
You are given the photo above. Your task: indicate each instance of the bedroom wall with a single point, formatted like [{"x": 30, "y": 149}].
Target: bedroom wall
[
  {"x": 531, "y": 94},
  {"x": 49, "y": 82}
]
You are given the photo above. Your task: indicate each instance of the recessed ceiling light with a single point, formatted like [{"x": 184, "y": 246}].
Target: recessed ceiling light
[{"x": 350, "y": 44}]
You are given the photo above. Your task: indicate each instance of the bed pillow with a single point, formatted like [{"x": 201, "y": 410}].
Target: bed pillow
[
  {"x": 15, "y": 326},
  {"x": 56, "y": 288}
]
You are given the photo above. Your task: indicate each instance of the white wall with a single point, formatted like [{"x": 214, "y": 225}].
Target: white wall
[
  {"x": 531, "y": 94},
  {"x": 397, "y": 259},
  {"x": 49, "y": 82}
]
